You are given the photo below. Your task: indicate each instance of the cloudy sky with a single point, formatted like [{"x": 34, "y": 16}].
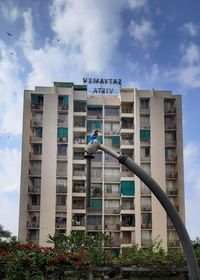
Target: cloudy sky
[{"x": 147, "y": 43}]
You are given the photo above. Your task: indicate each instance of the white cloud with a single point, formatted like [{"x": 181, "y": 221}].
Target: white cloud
[
  {"x": 191, "y": 54},
  {"x": 88, "y": 28},
  {"x": 190, "y": 28},
  {"x": 135, "y": 4},
  {"x": 11, "y": 90},
  {"x": 9, "y": 11},
  {"x": 142, "y": 32},
  {"x": 9, "y": 170}
]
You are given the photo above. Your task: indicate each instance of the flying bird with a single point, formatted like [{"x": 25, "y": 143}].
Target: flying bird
[
  {"x": 9, "y": 34},
  {"x": 11, "y": 53}
]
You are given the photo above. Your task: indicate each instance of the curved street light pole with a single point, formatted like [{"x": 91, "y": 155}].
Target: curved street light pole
[{"x": 91, "y": 148}]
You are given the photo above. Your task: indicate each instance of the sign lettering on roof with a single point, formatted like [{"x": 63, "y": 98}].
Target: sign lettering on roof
[{"x": 96, "y": 86}]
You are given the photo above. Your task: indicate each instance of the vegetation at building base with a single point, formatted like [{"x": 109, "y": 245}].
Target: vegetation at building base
[{"x": 81, "y": 255}]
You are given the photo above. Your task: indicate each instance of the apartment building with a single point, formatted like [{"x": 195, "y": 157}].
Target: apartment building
[{"x": 57, "y": 124}]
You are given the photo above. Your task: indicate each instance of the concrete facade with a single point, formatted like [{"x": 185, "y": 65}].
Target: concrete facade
[{"x": 57, "y": 123}]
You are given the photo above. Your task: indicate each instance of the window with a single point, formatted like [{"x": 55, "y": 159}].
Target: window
[
  {"x": 144, "y": 135},
  {"x": 36, "y": 165},
  {"x": 91, "y": 125},
  {"x": 94, "y": 110},
  {"x": 36, "y": 99},
  {"x": 111, "y": 188},
  {"x": 145, "y": 121},
  {"x": 63, "y": 100},
  {"x": 115, "y": 142},
  {"x": 128, "y": 220},
  {"x": 36, "y": 182},
  {"x": 144, "y": 104},
  {"x": 112, "y": 111},
  {"x": 61, "y": 166},
  {"x": 96, "y": 204},
  {"x": 146, "y": 203},
  {"x": 61, "y": 200},
  {"x": 94, "y": 220},
  {"x": 146, "y": 235},
  {"x": 37, "y": 149},
  {"x": 111, "y": 128},
  {"x": 62, "y": 150},
  {"x": 61, "y": 182},
  {"x": 110, "y": 158},
  {"x": 111, "y": 174},
  {"x": 35, "y": 199},
  {"x": 146, "y": 219},
  {"x": 112, "y": 204},
  {"x": 62, "y": 118},
  {"x": 146, "y": 167},
  {"x": 144, "y": 152},
  {"x": 96, "y": 172},
  {"x": 62, "y": 132},
  {"x": 38, "y": 116},
  {"x": 38, "y": 132},
  {"x": 128, "y": 188}
]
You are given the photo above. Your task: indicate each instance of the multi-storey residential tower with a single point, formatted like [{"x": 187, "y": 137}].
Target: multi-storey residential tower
[{"x": 57, "y": 123}]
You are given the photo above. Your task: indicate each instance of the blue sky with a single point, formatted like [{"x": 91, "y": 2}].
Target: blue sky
[{"x": 148, "y": 44}]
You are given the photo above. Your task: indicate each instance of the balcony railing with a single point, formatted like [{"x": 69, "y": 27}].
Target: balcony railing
[
  {"x": 78, "y": 189},
  {"x": 61, "y": 189},
  {"x": 112, "y": 226},
  {"x": 79, "y": 109},
  {"x": 60, "y": 225},
  {"x": 127, "y": 110},
  {"x": 61, "y": 207},
  {"x": 127, "y": 206},
  {"x": 112, "y": 178},
  {"x": 79, "y": 140},
  {"x": 146, "y": 225},
  {"x": 76, "y": 206},
  {"x": 35, "y": 122},
  {"x": 112, "y": 194},
  {"x": 33, "y": 189},
  {"x": 94, "y": 227},
  {"x": 146, "y": 207},
  {"x": 33, "y": 224},
  {"x": 37, "y": 106},
  {"x": 62, "y": 122},
  {"x": 33, "y": 207},
  {"x": 127, "y": 142},
  {"x": 127, "y": 126},
  {"x": 62, "y": 107},
  {"x": 62, "y": 139},
  {"x": 35, "y": 156},
  {"x": 173, "y": 243},
  {"x": 171, "y": 158},
  {"x": 34, "y": 171},
  {"x": 80, "y": 223},
  {"x": 146, "y": 242},
  {"x": 61, "y": 173},
  {"x": 34, "y": 138},
  {"x": 112, "y": 210},
  {"x": 79, "y": 173}
]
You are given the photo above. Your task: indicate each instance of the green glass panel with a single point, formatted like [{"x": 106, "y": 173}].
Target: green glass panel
[
  {"x": 115, "y": 141},
  {"x": 80, "y": 87},
  {"x": 65, "y": 100},
  {"x": 96, "y": 204},
  {"x": 128, "y": 188},
  {"x": 65, "y": 85},
  {"x": 91, "y": 125},
  {"x": 62, "y": 132},
  {"x": 174, "y": 135},
  {"x": 144, "y": 135}
]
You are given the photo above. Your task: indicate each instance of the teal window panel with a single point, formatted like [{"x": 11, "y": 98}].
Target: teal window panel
[
  {"x": 62, "y": 132},
  {"x": 35, "y": 98},
  {"x": 115, "y": 142},
  {"x": 96, "y": 204},
  {"x": 65, "y": 100},
  {"x": 174, "y": 135},
  {"x": 128, "y": 188},
  {"x": 144, "y": 135},
  {"x": 91, "y": 125}
]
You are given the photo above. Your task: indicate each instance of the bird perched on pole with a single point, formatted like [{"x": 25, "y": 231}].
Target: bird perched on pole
[{"x": 94, "y": 135}]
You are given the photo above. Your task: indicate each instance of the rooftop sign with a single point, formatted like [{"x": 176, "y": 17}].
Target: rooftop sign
[{"x": 96, "y": 86}]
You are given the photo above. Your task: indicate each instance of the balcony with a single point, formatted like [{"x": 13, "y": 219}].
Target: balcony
[
  {"x": 35, "y": 171},
  {"x": 33, "y": 189},
  {"x": 37, "y": 107},
  {"x": 62, "y": 139},
  {"x": 127, "y": 206},
  {"x": 146, "y": 242},
  {"x": 173, "y": 243},
  {"x": 61, "y": 207},
  {"x": 112, "y": 210},
  {"x": 79, "y": 173},
  {"x": 172, "y": 192},
  {"x": 172, "y": 158},
  {"x": 35, "y": 139},
  {"x": 33, "y": 224},
  {"x": 61, "y": 173},
  {"x": 60, "y": 225},
  {"x": 33, "y": 156},
  {"x": 78, "y": 189},
  {"x": 171, "y": 175},
  {"x": 127, "y": 142},
  {"x": 78, "y": 109},
  {"x": 112, "y": 226},
  {"x": 115, "y": 178},
  {"x": 35, "y": 123},
  {"x": 33, "y": 206},
  {"x": 146, "y": 208},
  {"x": 79, "y": 140},
  {"x": 127, "y": 173},
  {"x": 61, "y": 189},
  {"x": 62, "y": 123},
  {"x": 94, "y": 227},
  {"x": 112, "y": 195},
  {"x": 62, "y": 107},
  {"x": 146, "y": 226}
]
